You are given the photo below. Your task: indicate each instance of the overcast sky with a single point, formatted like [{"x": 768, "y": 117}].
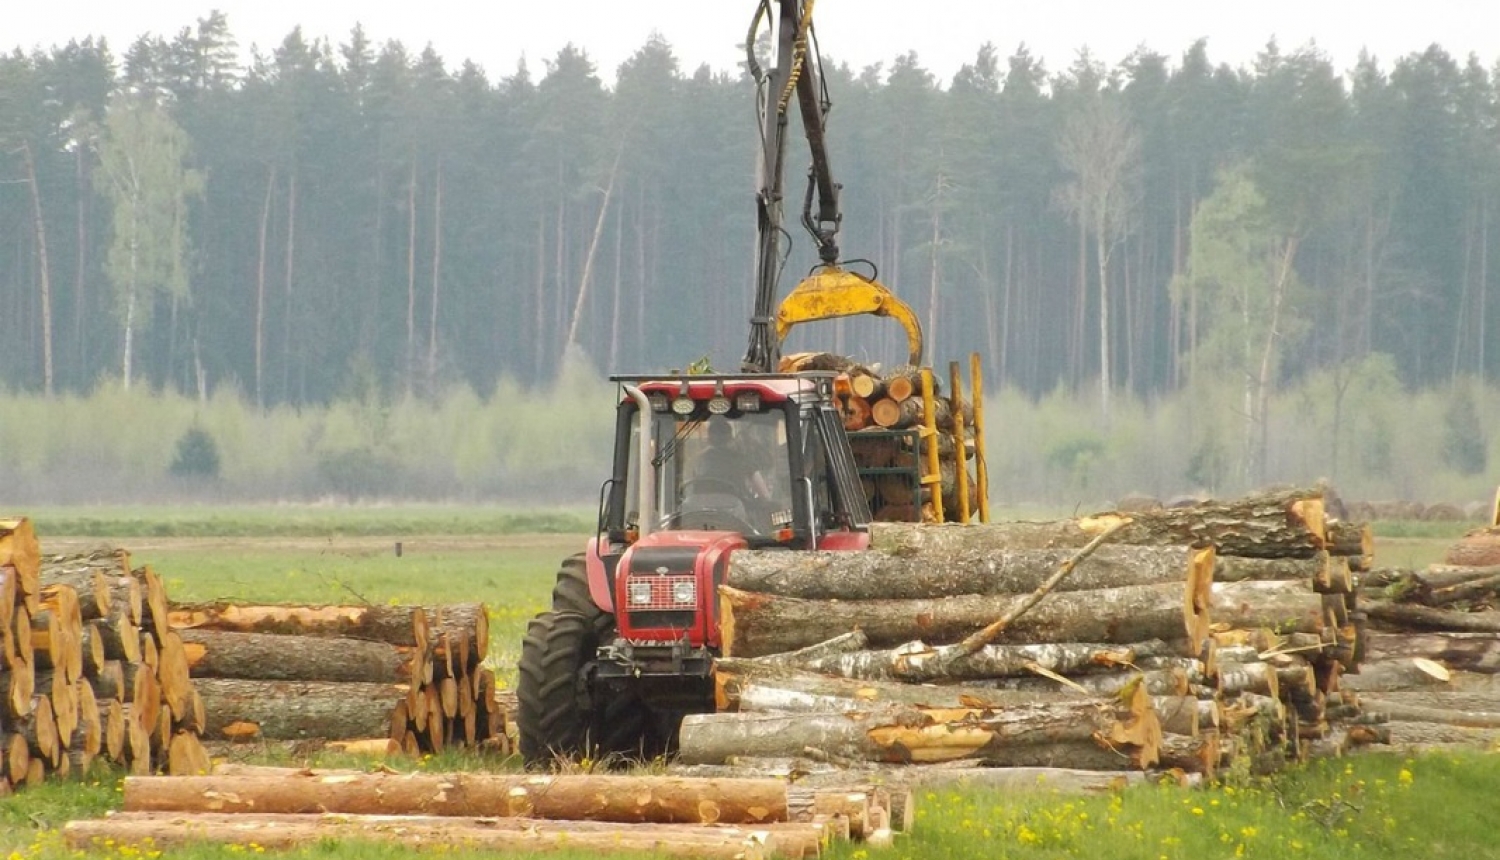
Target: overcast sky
[{"x": 944, "y": 33}]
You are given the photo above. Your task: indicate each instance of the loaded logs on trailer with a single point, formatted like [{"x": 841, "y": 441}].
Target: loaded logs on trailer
[
  {"x": 907, "y": 437},
  {"x": 90, "y": 667}
]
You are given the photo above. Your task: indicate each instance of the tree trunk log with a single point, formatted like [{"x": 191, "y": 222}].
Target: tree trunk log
[
  {"x": 101, "y": 578},
  {"x": 1288, "y": 523},
  {"x": 1468, "y": 652},
  {"x": 1473, "y": 710},
  {"x": 1401, "y": 616},
  {"x": 642, "y": 799},
  {"x": 1285, "y": 607},
  {"x": 281, "y": 657},
  {"x": 918, "y": 663},
  {"x": 165, "y": 830},
  {"x": 754, "y": 623},
  {"x": 20, "y": 552},
  {"x": 393, "y": 625},
  {"x": 971, "y": 570},
  {"x": 292, "y": 710},
  {"x": 901, "y": 734}
]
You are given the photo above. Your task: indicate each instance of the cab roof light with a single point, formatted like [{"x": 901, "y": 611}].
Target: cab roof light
[
  {"x": 748, "y": 401},
  {"x": 683, "y": 405},
  {"x": 718, "y": 404}
]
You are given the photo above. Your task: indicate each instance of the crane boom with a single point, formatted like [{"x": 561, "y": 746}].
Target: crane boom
[{"x": 832, "y": 292}]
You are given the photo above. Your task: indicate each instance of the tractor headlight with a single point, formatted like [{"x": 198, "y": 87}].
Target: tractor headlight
[
  {"x": 685, "y": 591},
  {"x": 640, "y": 593},
  {"x": 719, "y": 405}
]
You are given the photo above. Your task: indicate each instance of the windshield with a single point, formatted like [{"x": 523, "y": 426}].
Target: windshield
[{"x": 720, "y": 472}]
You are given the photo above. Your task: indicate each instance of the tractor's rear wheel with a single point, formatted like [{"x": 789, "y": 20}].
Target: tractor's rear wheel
[
  {"x": 554, "y": 713},
  {"x": 561, "y": 714},
  {"x": 571, "y": 591}
]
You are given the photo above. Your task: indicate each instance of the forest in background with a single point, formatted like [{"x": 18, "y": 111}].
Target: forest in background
[{"x": 369, "y": 262}]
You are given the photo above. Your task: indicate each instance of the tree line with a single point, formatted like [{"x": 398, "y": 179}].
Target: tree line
[{"x": 332, "y": 216}]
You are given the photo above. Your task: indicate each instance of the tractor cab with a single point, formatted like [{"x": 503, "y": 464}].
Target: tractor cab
[{"x": 763, "y": 456}]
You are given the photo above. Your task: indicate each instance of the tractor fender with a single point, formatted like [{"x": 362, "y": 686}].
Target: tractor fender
[{"x": 599, "y": 577}]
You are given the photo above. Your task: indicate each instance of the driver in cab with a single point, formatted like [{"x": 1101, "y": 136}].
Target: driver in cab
[{"x": 722, "y": 462}]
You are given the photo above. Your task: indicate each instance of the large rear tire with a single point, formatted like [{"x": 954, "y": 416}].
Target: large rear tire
[
  {"x": 561, "y": 715},
  {"x": 553, "y": 711}
]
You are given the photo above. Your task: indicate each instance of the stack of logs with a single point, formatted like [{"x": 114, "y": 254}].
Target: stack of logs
[
  {"x": 1176, "y": 638},
  {"x": 90, "y": 666},
  {"x": 874, "y": 403},
  {"x": 279, "y": 808},
  {"x": 1431, "y": 675},
  {"x": 410, "y": 676}
]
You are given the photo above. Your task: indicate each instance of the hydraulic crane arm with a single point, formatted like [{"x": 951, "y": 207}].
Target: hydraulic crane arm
[{"x": 831, "y": 291}]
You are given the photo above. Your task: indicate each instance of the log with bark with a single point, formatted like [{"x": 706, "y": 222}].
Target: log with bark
[
  {"x": 913, "y": 735},
  {"x": 757, "y": 623},
  {"x": 1288, "y": 523},
  {"x": 298, "y": 710},
  {"x": 1469, "y": 652},
  {"x": 269, "y": 657},
  {"x": 969, "y": 570}
]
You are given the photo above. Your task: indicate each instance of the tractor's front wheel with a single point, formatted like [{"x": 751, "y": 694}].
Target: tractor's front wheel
[{"x": 560, "y": 714}]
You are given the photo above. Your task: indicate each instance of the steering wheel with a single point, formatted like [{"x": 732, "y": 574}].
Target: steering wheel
[
  {"x": 728, "y": 520},
  {"x": 709, "y": 484}
]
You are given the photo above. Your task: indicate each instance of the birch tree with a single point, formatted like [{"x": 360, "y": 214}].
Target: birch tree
[{"x": 144, "y": 174}]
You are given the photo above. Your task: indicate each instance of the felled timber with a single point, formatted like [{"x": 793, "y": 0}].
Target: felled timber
[
  {"x": 917, "y": 662},
  {"x": 175, "y": 830},
  {"x": 270, "y": 657},
  {"x": 1278, "y": 524},
  {"x": 627, "y": 799},
  {"x": 756, "y": 623},
  {"x": 394, "y": 625},
  {"x": 970, "y": 570},
  {"x": 295, "y": 710},
  {"x": 903, "y": 734},
  {"x": 1469, "y": 652},
  {"x": 1402, "y": 616}
]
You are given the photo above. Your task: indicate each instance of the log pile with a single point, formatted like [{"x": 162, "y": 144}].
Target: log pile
[
  {"x": 1175, "y": 639},
  {"x": 672, "y": 816},
  {"x": 413, "y": 675},
  {"x": 1431, "y": 673},
  {"x": 914, "y": 458},
  {"x": 91, "y": 668}
]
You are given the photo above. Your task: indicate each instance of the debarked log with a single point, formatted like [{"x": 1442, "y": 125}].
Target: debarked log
[
  {"x": 757, "y": 623},
  {"x": 968, "y": 570},
  {"x": 1285, "y": 523},
  {"x": 175, "y": 830},
  {"x": 912, "y": 735},
  {"x": 651, "y": 799},
  {"x": 392, "y": 624}
]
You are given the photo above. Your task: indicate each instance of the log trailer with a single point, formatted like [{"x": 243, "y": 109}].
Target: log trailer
[{"x": 629, "y": 644}]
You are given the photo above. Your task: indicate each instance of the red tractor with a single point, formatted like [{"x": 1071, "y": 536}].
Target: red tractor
[{"x": 629, "y": 644}]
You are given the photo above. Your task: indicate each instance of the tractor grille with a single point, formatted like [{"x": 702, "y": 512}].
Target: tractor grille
[{"x": 661, "y": 592}]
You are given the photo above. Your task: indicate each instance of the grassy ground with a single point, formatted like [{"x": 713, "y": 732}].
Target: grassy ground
[{"x": 1371, "y": 807}]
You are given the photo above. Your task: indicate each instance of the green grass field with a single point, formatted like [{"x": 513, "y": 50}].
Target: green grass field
[{"x": 1378, "y": 806}]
